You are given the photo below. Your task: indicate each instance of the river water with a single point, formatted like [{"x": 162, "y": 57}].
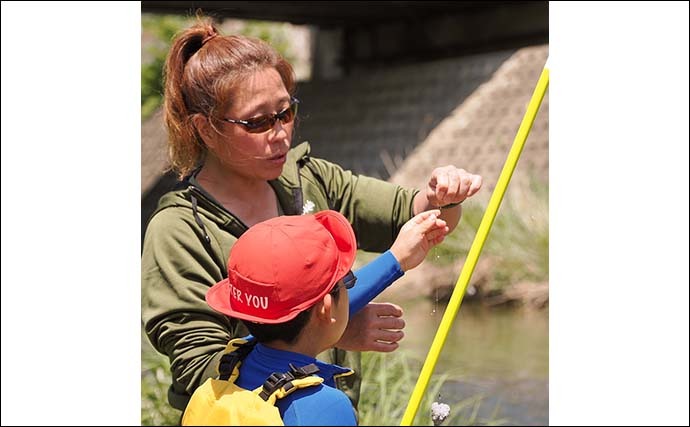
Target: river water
[{"x": 498, "y": 357}]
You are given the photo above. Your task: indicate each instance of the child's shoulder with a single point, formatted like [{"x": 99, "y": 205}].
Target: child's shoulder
[{"x": 320, "y": 404}]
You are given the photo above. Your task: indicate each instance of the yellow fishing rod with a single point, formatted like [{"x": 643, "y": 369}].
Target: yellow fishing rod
[{"x": 476, "y": 248}]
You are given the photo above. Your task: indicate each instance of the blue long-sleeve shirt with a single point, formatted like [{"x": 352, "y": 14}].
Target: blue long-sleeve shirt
[
  {"x": 324, "y": 404},
  {"x": 372, "y": 279}
]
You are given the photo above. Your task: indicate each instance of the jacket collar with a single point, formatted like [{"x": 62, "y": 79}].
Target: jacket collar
[{"x": 288, "y": 187}]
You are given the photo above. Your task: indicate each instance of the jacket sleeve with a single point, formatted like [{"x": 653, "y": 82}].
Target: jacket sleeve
[
  {"x": 177, "y": 270},
  {"x": 372, "y": 279},
  {"x": 376, "y": 209}
]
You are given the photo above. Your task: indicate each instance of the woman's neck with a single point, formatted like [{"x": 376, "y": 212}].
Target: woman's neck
[{"x": 251, "y": 200}]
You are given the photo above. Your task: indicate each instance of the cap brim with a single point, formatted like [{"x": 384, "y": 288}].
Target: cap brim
[{"x": 218, "y": 298}]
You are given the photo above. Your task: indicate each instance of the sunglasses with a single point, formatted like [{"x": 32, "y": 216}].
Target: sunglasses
[
  {"x": 348, "y": 282},
  {"x": 266, "y": 122}
]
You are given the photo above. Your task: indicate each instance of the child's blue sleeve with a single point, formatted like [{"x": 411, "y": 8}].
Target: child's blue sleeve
[{"x": 372, "y": 279}]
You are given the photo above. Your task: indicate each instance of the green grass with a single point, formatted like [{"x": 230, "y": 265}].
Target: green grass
[
  {"x": 160, "y": 30},
  {"x": 387, "y": 383},
  {"x": 155, "y": 379},
  {"x": 517, "y": 243}
]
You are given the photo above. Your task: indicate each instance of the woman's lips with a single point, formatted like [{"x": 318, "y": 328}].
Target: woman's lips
[{"x": 279, "y": 158}]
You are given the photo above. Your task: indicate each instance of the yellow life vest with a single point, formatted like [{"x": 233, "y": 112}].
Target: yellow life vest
[{"x": 222, "y": 402}]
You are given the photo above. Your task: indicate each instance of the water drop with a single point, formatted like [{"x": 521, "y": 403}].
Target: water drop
[{"x": 433, "y": 310}]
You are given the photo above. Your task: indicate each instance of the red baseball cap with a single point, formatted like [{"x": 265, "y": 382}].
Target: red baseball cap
[{"x": 281, "y": 267}]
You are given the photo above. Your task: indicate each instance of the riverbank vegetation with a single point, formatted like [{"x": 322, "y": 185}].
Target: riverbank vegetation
[
  {"x": 513, "y": 266},
  {"x": 388, "y": 380}
]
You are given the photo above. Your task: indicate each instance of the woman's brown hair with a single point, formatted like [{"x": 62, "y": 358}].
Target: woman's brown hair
[{"x": 201, "y": 71}]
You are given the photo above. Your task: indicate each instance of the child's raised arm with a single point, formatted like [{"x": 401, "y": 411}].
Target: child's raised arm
[{"x": 414, "y": 241}]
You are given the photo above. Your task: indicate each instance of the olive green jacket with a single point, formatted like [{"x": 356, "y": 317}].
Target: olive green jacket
[{"x": 186, "y": 248}]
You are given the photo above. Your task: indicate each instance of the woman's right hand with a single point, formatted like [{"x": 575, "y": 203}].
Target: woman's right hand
[
  {"x": 417, "y": 237},
  {"x": 376, "y": 327}
]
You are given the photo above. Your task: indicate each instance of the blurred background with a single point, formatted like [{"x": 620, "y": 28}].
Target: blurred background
[{"x": 393, "y": 89}]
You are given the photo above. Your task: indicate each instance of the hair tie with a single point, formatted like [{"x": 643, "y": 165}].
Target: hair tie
[{"x": 208, "y": 38}]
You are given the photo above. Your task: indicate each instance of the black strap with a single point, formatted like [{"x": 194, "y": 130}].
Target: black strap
[
  {"x": 229, "y": 360},
  {"x": 198, "y": 220},
  {"x": 297, "y": 197},
  {"x": 277, "y": 379},
  {"x": 304, "y": 371}
]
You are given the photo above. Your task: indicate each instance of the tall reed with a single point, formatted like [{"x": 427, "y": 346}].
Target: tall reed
[{"x": 387, "y": 383}]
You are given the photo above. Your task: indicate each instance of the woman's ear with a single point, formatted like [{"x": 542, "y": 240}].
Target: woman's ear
[{"x": 203, "y": 126}]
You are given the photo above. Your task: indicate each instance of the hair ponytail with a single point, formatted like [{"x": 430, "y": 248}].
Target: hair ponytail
[{"x": 184, "y": 144}]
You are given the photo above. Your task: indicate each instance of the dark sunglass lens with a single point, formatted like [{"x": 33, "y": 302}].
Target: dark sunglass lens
[
  {"x": 260, "y": 124},
  {"x": 264, "y": 123},
  {"x": 286, "y": 116}
]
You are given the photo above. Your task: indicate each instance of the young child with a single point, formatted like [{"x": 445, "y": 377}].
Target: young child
[{"x": 285, "y": 282}]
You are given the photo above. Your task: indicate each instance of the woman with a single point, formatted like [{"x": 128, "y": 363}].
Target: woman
[{"x": 230, "y": 114}]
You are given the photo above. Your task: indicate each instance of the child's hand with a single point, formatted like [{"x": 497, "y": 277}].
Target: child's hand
[{"x": 417, "y": 237}]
